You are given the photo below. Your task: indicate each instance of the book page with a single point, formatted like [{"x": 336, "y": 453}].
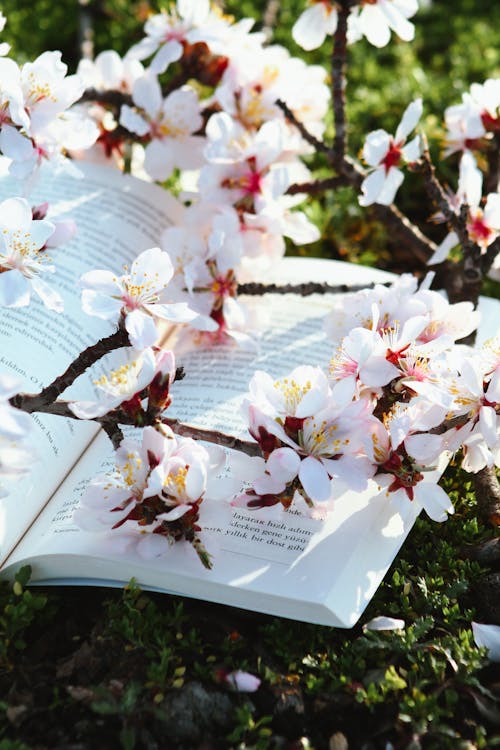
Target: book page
[
  {"x": 117, "y": 217},
  {"x": 269, "y": 556}
]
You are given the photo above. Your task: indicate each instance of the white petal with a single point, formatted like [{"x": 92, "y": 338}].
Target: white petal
[
  {"x": 371, "y": 187},
  {"x": 488, "y": 636},
  {"x": 14, "y": 289},
  {"x": 314, "y": 479},
  {"x": 434, "y": 500},
  {"x": 382, "y": 622},
  {"x": 392, "y": 182},
  {"x": 141, "y": 329},
  {"x": 411, "y": 116}
]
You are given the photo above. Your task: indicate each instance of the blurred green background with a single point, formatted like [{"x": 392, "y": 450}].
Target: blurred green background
[{"x": 455, "y": 44}]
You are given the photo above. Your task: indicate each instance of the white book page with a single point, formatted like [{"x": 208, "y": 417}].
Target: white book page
[{"x": 117, "y": 218}]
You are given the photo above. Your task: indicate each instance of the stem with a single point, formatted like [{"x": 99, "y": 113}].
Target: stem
[
  {"x": 487, "y": 491},
  {"x": 339, "y": 64},
  {"x": 318, "y": 145},
  {"x": 30, "y": 402},
  {"x": 305, "y": 289},
  {"x": 212, "y": 436},
  {"x": 318, "y": 186}
]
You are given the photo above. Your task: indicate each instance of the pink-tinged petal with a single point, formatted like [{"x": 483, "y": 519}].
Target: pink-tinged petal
[
  {"x": 196, "y": 481},
  {"x": 424, "y": 448},
  {"x": 375, "y": 26},
  {"x": 15, "y": 214},
  {"x": 133, "y": 121},
  {"x": 434, "y": 501},
  {"x": 492, "y": 211},
  {"x": 159, "y": 159},
  {"x": 493, "y": 392},
  {"x": 314, "y": 479},
  {"x": 88, "y": 521},
  {"x": 182, "y": 109},
  {"x": 376, "y": 146},
  {"x": 443, "y": 249},
  {"x": 101, "y": 306},
  {"x": 383, "y": 622},
  {"x": 343, "y": 390},
  {"x": 312, "y": 26},
  {"x": 177, "y": 512},
  {"x": 16, "y": 146},
  {"x": 488, "y": 636},
  {"x": 393, "y": 180},
  {"x": 104, "y": 282},
  {"x": 91, "y": 409},
  {"x": 244, "y": 682},
  {"x": 284, "y": 462},
  {"x": 141, "y": 329},
  {"x": 412, "y": 151},
  {"x": 376, "y": 372},
  {"x": 147, "y": 94},
  {"x": 145, "y": 48},
  {"x": 167, "y": 54},
  {"x": 371, "y": 187},
  {"x": 50, "y": 298},
  {"x": 188, "y": 152},
  {"x": 411, "y": 116},
  {"x": 177, "y": 312},
  {"x": 152, "y": 268},
  {"x": 14, "y": 289},
  {"x": 397, "y": 22},
  {"x": 488, "y": 426},
  {"x": 63, "y": 232}
]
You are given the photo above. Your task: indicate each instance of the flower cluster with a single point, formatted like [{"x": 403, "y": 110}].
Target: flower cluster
[
  {"x": 398, "y": 395},
  {"x": 156, "y": 488},
  {"x": 36, "y": 119},
  {"x": 237, "y": 143}
]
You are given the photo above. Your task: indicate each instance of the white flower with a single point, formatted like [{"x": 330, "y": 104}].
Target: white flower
[
  {"x": 110, "y": 71},
  {"x": 385, "y": 153},
  {"x": 154, "y": 493},
  {"x": 141, "y": 296},
  {"x": 22, "y": 258},
  {"x": 314, "y": 24},
  {"x": 301, "y": 394},
  {"x": 169, "y": 123},
  {"x": 376, "y": 20},
  {"x": 166, "y": 33},
  {"x": 127, "y": 372},
  {"x": 243, "y": 682}
]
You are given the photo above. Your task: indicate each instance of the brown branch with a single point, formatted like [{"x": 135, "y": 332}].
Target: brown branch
[
  {"x": 304, "y": 289},
  {"x": 339, "y": 63},
  {"x": 30, "y": 402},
  {"x": 113, "y": 98},
  {"x": 318, "y": 145},
  {"x": 113, "y": 431},
  {"x": 492, "y": 177},
  {"x": 487, "y": 491},
  {"x": 318, "y": 186},
  {"x": 212, "y": 436}
]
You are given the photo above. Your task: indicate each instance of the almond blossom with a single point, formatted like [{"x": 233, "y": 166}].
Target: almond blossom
[
  {"x": 140, "y": 296},
  {"x": 169, "y": 125},
  {"x": 23, "y": 258},
  {"x": 483, "y": 223},
  {"x": 154, "y": 493},
  {"x": 129, "y": 377},
  {"x": 402, "y": 466},
  {"x": 186, "y": 22},
  {"x": 385, "y": 153},
  {"x": 376, "y": 19},
  {"x": 314, "y": 24}
]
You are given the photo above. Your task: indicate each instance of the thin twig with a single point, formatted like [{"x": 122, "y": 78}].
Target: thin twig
[
  {"x": 318, "y": 145},
  {"x": 30, "y": 402},
  {"x": 339, "y": 62},
  {"x": 212, "y": 436},
  {"x": 318, "y": 186},
  {"x": 304, "y": 289}
]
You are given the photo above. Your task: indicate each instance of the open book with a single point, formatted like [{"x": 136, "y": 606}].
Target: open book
[{"x": 318, "y": 571}]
